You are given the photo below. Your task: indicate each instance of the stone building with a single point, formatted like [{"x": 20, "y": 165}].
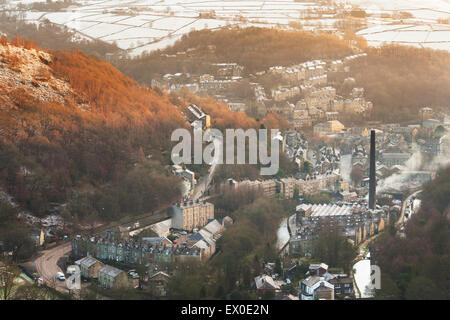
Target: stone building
[
  {"x": 329, "y": 127},
  {"x": 355, "y": 222},
  {"x": 194, "y": 113},
  {"x": 284, "y": 93},
  {"x": 189, "y": 215},
  {"x": 343, "y": 285},
  {"x": 132, "y": 252},
  {"x": 316, "y": 184},
  {"x": 269, "y": 188},
  {"x": 316, "y": 288},
  {"x": 321, "y": 98},
  {"x": 157, "y": 283},
  {"x": 89, "y": 267},
  {"x": 112, "y": 278},
  {"x": 287, "y": 187},
  {"x": 394, "y": 158},
  {"x": 338, "y": 105}
]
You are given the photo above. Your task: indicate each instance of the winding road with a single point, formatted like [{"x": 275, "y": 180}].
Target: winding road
[
  {"x": 47, "y": 266},
  {"x": 203, "y": 184},
  {"x": 401, "y": 220}
]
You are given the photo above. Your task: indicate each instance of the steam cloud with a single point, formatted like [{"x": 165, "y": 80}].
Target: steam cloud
[{"x": 406, "y": 178}]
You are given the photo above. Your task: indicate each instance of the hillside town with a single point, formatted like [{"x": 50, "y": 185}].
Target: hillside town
[
  {"x": 301, "y": 94},
  {"x": 329, "y": 181},
  {"x": 337, "y": 172},
  {"x": 95, "y": 204}
]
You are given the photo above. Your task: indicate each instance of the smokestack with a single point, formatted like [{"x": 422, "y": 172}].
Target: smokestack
[{"x": 372, "y": 176}]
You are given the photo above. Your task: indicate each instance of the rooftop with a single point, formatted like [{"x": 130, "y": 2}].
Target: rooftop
[
  {"x": 318, "y": 210},
  {"x": 191, "y": 203},
  {"x": 87, "y": 261},
  {"x": 318, "y": 265},
  {"x": 111, "y": 271},
  {"x": 155, "y": 240},
  {"x": 265, "y": 282}
]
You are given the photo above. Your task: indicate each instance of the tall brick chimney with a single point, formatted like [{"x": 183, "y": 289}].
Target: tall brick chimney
[{"x": 372, "y": 175}]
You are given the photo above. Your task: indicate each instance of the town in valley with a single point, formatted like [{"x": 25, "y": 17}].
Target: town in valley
[{"x": 95, "y": 209}]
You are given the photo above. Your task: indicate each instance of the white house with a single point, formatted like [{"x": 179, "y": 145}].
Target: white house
[{"x": 315, "y": 287}]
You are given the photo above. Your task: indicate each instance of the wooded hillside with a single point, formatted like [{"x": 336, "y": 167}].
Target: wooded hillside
[
  {"x": 254, "y": 48},
  {"x": 416, "y": 267},
  {"x": 75, "y": 131},
  {"x": 399, "y": 80}
]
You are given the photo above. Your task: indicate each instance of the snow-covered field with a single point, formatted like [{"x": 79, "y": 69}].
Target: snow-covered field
[
  {"x": 422, "y": 30},
  {"x": 146, "y": 25},
  {"x": 403, "y": 5},
  {"x": 427, "y": 36}
]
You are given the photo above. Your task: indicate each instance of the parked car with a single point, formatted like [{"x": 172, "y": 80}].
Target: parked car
[
  {"x": 133, "y": 274},
  {"x": 60, "y": 276}
]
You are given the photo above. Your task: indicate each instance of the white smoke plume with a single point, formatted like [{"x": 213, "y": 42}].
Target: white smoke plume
[{"x": 407, "y": 177}]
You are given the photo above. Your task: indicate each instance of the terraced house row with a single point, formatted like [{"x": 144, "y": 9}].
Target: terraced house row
[
  {"x": 132, "y": 252},
  {"x": 287, "y": 186},
  {"x": 188, "y": 247}
]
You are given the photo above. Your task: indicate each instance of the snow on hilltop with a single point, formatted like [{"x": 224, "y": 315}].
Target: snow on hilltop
[{"x": 28, "y": 69}]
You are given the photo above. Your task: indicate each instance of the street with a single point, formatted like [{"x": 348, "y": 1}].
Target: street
[
  {"x": 401, "y": 220},
  {"x": 47, "y": 266},
  {"x": 203, "y": 183}
]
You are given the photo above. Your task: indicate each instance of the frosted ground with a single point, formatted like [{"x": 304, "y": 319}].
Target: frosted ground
[
  {"x": 423, "y": 30},
  {"x": 146, "y": 25},
  {"x": 431, "y": 36}
]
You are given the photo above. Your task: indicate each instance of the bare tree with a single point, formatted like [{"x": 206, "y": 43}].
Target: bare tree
[{"x": 8, "y": 272}]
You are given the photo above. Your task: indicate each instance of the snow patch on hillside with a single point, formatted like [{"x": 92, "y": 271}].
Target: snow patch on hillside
[{"x": 30, "y": 69}]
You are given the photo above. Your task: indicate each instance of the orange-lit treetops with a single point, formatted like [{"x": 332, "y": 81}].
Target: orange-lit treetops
[{"x": 70, "y": 123}]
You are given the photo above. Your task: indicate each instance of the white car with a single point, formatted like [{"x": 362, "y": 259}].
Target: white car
[{"x": 60, "y": 276}]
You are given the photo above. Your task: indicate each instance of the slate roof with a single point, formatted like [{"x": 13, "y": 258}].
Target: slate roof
[
  {"x": 159, "y": 273},
  {"x": 317, "y": 266},
  {"x": 265, "y": 282},
  {"x": 311, "y": 280},
  {"x": 155, "y": 240},
  {"x": 111, "y": 271},
  {"x": 213, "y": 227},
  {"x": 88, "y": 261}
]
